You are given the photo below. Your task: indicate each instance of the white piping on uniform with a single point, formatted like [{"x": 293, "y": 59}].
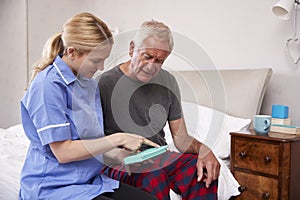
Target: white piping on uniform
[
  {"x": 60, "y": 73},
  {"x": 52, "y": 126}
]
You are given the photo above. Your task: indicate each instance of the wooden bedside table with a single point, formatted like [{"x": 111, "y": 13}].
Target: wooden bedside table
[{"x": 266, "y": 167}]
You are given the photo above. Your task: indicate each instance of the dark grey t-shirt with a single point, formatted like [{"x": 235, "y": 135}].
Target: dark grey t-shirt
[{"x": 136, "y": 107}]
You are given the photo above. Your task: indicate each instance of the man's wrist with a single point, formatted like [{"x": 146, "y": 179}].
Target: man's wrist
[{"x": 203, "y": 151}]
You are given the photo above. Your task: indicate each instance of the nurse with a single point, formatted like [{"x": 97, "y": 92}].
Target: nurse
[{"x": 62, "y": 117}]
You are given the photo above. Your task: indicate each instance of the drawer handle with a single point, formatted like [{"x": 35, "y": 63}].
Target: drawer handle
[
  {"x": 242, "y": 188},
  {"x": 266, "y": 195},
  {"x": 242, "y": 155},
  {"x": 268, "y": 159}
]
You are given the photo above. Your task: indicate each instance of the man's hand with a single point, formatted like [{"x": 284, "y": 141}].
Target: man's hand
[
  {"x": 187, "y": 144},
  {"x": 116, "y": 156},
  {"x": 208, "y": 161}
]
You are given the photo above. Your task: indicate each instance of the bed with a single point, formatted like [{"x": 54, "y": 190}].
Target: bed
[{"x": 215, "y": 103}]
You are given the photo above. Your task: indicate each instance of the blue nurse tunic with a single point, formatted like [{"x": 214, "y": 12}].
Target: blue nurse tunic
[{"x": 56, "y": 107}]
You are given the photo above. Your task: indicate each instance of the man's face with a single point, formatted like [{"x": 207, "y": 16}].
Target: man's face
[{"x": 147, "y": 60}]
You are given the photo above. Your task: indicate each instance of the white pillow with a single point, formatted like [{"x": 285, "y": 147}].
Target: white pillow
[{"x": 210, "y": 127}]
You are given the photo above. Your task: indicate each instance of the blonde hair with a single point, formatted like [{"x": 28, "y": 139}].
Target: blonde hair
[
  {"x": 155, "y": 29},
  {"x": 83, "y": 31}
]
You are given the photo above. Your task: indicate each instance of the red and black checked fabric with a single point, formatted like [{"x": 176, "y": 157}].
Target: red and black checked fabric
[{"x": 170, "y": 170}]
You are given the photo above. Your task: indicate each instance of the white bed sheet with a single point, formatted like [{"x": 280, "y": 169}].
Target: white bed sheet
[{"x": 13, "y": 148}]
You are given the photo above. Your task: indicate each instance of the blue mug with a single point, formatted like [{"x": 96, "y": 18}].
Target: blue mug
[{"x": 262, "y": 124}]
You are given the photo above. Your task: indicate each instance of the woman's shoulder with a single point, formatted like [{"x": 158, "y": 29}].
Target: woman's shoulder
[{"x": 48, "y": 80}]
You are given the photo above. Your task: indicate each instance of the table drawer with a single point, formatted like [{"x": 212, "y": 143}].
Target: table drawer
[
  {"x": 256, "y": 156},
  {"x": 256, "y": 187}
]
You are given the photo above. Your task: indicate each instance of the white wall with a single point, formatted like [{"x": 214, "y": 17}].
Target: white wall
[
  {"x": 13, "y": 58},
  {"x": 231, "y": 33}
]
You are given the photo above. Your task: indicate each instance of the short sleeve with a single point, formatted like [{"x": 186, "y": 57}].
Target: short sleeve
[
  {"x": 49, "y": 111},
  {"x": 175, "y": 111}
]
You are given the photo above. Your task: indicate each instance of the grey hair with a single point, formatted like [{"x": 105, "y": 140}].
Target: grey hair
[{"x": 155, "y": 29}]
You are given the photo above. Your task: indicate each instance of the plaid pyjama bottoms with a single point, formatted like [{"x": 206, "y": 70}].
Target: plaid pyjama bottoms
[{"x": 170, "y": 170}]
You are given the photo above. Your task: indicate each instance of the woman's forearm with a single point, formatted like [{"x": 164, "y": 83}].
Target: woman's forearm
[{"x": 74, "y": 150}]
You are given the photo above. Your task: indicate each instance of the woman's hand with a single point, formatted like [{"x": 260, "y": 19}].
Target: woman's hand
[{"x": 133, "y": 142}]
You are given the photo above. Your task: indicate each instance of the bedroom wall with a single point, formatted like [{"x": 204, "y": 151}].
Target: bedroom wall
[
  {"x": 230, "y": 34},
  {"x": 13, "y": 57}
]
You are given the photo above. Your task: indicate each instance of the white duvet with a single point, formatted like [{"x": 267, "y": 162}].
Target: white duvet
[{"x": 13, "y": 148}]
